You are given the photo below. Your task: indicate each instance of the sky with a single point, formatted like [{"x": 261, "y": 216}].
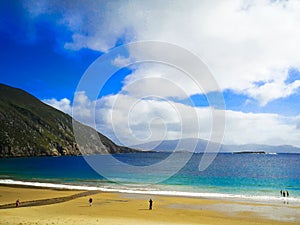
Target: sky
[{"x": 251, "y": 49}]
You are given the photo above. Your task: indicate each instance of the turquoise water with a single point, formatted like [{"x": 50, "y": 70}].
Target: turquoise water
[{"x": 253, "y": 176}]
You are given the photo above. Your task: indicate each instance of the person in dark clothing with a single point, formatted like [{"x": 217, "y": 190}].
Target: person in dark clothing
[
  {"x": 91, "y": 201},
  {"x": 281, "y": 193},
  {"x": 287, "y": 194},
  {"x": 150, "y": 204}
]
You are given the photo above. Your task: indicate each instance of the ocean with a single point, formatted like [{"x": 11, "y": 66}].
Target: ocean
[{"x": 252, "y": 177}]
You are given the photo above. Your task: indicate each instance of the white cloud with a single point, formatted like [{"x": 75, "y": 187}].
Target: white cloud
[
  {"x": 240, "y": 46},
  {"x": 273, "y": 90},
  {"x": 262, "y": 128},
  {"x": 62, "y": 105},
  {"x": 82, "y": 41},
  {"x": 241, "y": 41},
  {"x": 298, "y": 122},
  {"x": 83, "y": 109},
  {"x": 160, "y": 80},
  {"x": 129, "y": 120},
  {"x": 132, "y": 120},
  {"x": 121, "y": 61}
]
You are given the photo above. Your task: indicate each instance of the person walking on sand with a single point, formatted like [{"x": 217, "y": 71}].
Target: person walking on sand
[
  {"x": 150, "y": 204},
  {"x": 17, "y": 203},
  {"x": 91, "y": 201}
]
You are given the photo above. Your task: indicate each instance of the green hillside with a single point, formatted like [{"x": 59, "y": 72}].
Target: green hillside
[{"x": 28, "y": 127}]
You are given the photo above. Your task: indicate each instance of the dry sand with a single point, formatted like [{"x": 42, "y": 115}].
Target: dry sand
[{"x": 116, "y": 208}]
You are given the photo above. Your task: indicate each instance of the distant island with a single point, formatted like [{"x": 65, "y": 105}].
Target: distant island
[
  {"x": 250, "y": 152},
  {"x": 29, "y": 127}
]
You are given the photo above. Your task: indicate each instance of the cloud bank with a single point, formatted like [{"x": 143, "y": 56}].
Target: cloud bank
[
  {"x": 249, "y": 45},
  {"x": 129, "y": 121}
]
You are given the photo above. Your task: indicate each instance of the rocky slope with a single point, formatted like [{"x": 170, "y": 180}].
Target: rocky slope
[{"x": 28, "y": 127}]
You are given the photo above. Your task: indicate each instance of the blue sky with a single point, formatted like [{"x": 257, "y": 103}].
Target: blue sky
[
  {"x": 33, "y": 57},
  {"x": 47, "y": 46}
]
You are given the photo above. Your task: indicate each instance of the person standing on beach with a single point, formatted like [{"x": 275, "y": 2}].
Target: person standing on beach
[
  {"x": 287, "y": 194},
  {"x": 17, "y": 203},
  {"x": 91, "y": 201},
  {"x": 150, "y": 204},
  {"x": 281, "y": 193}
]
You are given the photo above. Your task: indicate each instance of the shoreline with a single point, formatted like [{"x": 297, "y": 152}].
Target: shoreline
[
  {"x": 126, "y": 208},
  {"x": 255, "y": 199}
]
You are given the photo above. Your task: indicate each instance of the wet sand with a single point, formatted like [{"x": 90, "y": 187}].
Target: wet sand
[{"x": 47, "y": 206}]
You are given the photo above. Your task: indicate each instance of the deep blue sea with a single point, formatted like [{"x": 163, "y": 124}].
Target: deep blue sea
[{"x": 258, "y": 177}]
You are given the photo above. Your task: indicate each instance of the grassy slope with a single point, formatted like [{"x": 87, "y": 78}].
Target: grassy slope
[{"x": 29, "y": 127}]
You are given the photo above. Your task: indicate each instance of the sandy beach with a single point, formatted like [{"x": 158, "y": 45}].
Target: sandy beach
[{"x": 47, "y": 206}]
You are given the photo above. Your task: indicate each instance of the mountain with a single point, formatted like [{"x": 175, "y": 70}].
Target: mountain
[
  {"x": 170, "y": 145},
  {"x": 28, "y": 127}
]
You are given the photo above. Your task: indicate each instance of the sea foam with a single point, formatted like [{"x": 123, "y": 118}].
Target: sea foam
[{"x": 155, "y": 191}]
